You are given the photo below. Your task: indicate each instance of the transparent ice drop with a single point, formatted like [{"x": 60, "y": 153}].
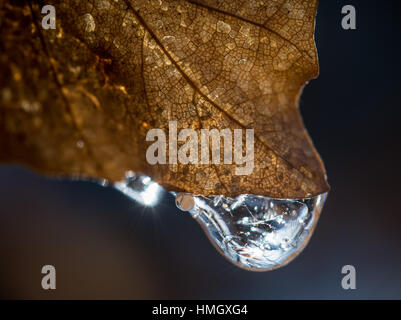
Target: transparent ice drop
[
  {"x": 141, "y": 188},
  {"x": 254, "y": 232}
]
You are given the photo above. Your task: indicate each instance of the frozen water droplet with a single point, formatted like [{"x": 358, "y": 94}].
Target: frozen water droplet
[
  {"x": 255, "y": 232},
  {"x": 141, "y": 188},
  {"x": 185, "y": 201}
]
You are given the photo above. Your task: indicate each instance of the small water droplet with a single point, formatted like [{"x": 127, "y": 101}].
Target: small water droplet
[
  {"x": 80, "y": 144},
  {"x": 130, "y": 174},
  {"x": 185, "y": 201},
  {"x": 141, "y": 188},
  {"x": 223, "y": 27}
]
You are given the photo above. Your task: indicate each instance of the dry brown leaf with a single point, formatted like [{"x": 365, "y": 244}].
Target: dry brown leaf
[{"x": 79, "y": 100}]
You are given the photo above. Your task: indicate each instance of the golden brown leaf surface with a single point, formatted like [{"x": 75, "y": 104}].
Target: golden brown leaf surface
[{"x": 79, "y": 100}]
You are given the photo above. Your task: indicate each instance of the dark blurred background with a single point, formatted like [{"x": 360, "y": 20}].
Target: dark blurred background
[{"x": 104, "y": 245}]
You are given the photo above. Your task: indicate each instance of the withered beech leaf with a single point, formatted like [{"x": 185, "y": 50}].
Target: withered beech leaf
[{"x": 80, "y": 99}]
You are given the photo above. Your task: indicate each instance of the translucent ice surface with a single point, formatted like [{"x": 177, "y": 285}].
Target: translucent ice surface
[
  {"x": 254, "y": 232},
  {"x": 141, "y": 188}
]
